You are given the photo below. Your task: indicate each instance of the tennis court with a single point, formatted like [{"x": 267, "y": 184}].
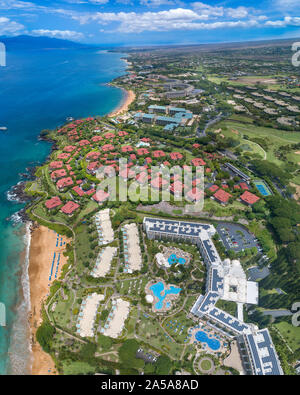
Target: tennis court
[{"x": 262, "y": 188}]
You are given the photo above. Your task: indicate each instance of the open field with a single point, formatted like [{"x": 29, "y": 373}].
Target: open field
[
  {"x": 290, "y": 333},
  {"x": 274, "y": 139},
  {"x": 269, "y": 81}
]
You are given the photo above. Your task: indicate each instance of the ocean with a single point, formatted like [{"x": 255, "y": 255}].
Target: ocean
[{"x": 39, "y": 89}]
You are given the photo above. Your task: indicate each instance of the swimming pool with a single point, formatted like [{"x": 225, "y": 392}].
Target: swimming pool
[
  {"x": 212, "y": 343},
  {"x": 262, "y": 188},
  {"x": 158, "y": 289},
  {"x": 173, "y": 259}
]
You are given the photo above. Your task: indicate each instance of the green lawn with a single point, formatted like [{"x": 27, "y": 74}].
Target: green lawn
[
  {"x": 75, "y": 368},
  {"x": 274, "y": 139},
  {"x": 177, "y": 326},
  {"x": 290, "y": 333},
  {"x": 150, "y": 332},
  {"x": 221, "y": 211},
  {"x": 206, "y": 364}
]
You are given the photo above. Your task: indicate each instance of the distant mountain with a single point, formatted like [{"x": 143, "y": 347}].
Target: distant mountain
[{"x": 31, "y": 42}]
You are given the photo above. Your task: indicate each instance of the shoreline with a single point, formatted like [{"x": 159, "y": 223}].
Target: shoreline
[
  {"x": 42, "y": 246},
  {"x": 41, "y": 238},
  {"x": 129, "y": 97}
]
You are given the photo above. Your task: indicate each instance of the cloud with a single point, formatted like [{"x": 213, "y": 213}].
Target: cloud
[
  {"x": 239, "y": 12},
  {"x": 63, "y": 34},
  {"x": 173, "y": 19},
  {"x": 287, "y": 4},
  {"x": 98, "y": 1},
  {"x": 9, "y": 27},
  {"x": 287, "y": 21},
  {"x": 16, "y": 4},
  {"x": 157, "y": 3},
  {"x": 220, "y": 11}
]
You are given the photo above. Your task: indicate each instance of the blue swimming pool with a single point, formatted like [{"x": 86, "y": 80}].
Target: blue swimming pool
[
  {"x": 158, "y": 289},
  {"x": 212, "y": 343},
  {"x": 173, "y": 259}
]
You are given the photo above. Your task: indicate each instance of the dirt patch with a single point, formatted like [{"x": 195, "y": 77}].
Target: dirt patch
[
  {"x": 235, "y": 131},
  {"x": 296, "y": 195}
]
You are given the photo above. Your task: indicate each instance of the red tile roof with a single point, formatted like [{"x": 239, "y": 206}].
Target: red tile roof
[
  {"x": 107, "y": 147},
  {"x": 249, "y": 198},
  {"x": 122, "y": 133},
  {"x": 127, "y": 148},
  {"x": 213, "y": 188},
  {"x": 142, "y": 178},
  {"x": 196, "y": 182},
  {"x": 100, "y": 196},
  {"x": 244, "y": 186},
  {"x": 53, "y": 202},
  {"x": 58, "y": 174},
  {"x": 158, "y": 182},
  {"x": 69, "y": 207},
  {"x": 64, "y": 182},
  {"x": 83, "y": 142},
  {"x": 158, "y": 154},
  {"x": 56, "y": 164},
  {"x": 78, "y": 190},
  {"x": 126, "y": 173},
  {"x": 142, "y": 151},
  {"x": 177, "y": 187},
  {"x": 194, "y": 194},
  {"x": 196, "y": 145},
  {"x": 63, "y": 155},
  {"x": 69, "y": 148},
  {"x": 93, "y": 166},
  {"x": 93, "y": 155},
  {"x": 90, "y": 192},
  {"x": 222, "y": 196},
  {"x": 95, "y": 139},
  {"x": 198, "y": 162},
  {"x": 176, "y": 155}
]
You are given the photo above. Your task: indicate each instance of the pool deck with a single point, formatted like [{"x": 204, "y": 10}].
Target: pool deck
[
  {"x": 168, "y": 300},
  {"x": 210, "y": 333}
]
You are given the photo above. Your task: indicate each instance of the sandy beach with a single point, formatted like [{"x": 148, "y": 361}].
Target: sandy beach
[
  {"x": 42, "y": 247},
  {"x": 129, "y": 98}
]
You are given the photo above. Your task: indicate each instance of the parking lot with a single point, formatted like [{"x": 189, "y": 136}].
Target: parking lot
[
  {"x": 256, "y": 273},
  {"x": 236, "y": 238}
]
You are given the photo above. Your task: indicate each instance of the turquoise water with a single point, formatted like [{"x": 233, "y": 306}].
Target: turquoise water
[
  {"x": 39, "y": 89},
  {"x": 212, "y": 343},
  {"x": 158, "y": 289},
  {"x": 173, "y": 259}
]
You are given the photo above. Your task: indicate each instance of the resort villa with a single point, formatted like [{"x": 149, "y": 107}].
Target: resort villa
[
  {"x": 116, "y": 320},
  {"x": 104, "y": 227},
  {"x": 87, "y": 315},
  {"x": 132, "y": 250},
  {"x": 225, "y": 280},
  {"x": 103, "y": 262}
]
